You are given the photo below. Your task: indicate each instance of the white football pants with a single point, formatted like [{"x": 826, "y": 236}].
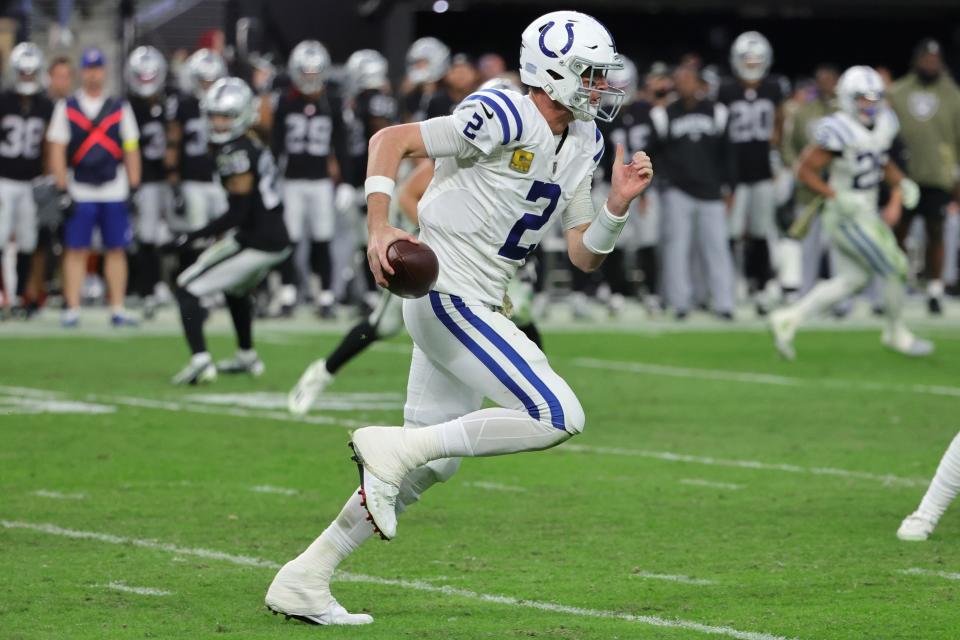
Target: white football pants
[
  {"x": 18, "y": 214},
  {"x": 309, "y": 208}
]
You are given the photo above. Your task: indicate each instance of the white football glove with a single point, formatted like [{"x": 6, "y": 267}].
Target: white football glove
[
  {"x": 345, "y": 198},
  {"x": 909, "y": 193}
]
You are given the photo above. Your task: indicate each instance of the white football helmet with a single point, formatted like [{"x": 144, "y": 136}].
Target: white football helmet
[
  {"x": 146, "y": 71},
  {"x": 751, "y": 56},
  {"x": 561, "y": 50},
  {"x": 625, "y": 79},
  {"x": 308, "y": 66},
  {"x": 427, "y": 60},
  {"x": 26, "y": 60},
  {"x": 204, "y": 67},
  {"x": 365, "y": 69},
  {"x": 233, "y": 99},
  {"x": 860, "y": 93},
  {"x": 502, "y": 83}
]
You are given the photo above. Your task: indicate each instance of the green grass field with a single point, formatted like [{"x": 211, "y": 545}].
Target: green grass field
[{"x": 716, "y": 492}]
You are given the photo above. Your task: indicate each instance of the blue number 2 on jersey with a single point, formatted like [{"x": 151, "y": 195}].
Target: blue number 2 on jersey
[{"x": 530, "y": 221}]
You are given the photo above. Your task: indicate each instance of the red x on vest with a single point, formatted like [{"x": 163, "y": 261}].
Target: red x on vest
[{"x": 96, "y": 135}]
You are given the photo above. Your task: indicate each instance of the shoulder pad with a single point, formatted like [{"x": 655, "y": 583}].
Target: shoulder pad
[{"x": 832, "y": 133}]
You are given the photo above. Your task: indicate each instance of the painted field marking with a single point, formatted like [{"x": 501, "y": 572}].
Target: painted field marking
[
  {"x": 43, "y": 493},
  {"x": 886, "y": 479},
  {"x": 694, "y": 482},
  {"x": 764, "y": 378},
  {"x": 494, "y": 486},
  {"x": 917, "y": 571},
  {"x": 326, "y": 402},
  {"x": 671, "y": 578},
  {"x": 140, "y": 591},
  {"x": 266, "y": 488},
  {"x": 415, "y": 585}
]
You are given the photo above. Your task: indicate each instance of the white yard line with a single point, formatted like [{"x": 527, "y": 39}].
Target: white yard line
[
  {"x": 694, "y": 482},
  {"x": 916, "y": 571},
  {"x": 764, "y": 378},
  {"x": 141, "y": 591},
  {"x": 416, "y": 585},
  {"x": 886, "y": 479},
  {"x": 43, "y": 493},
  {"x": 494, "y": 486},
  {"x": 672, "y": 578},
  {"x": 266, "y": 488}
]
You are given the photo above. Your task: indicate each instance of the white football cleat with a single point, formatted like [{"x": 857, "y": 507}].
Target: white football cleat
[
  {"x": 783, "y": 326},
  {"x": 198, "y": 371},
  {"x": 915, "y": 528},
  {"x": 292, "y": 595},
  {"x": 381, "y": 472},
  {"x": 904, "y": 342},
  {"x": 310, "y": 385}
]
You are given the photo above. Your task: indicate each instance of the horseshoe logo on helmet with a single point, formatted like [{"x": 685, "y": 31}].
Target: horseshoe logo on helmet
[{"x": 566, "y": 47}]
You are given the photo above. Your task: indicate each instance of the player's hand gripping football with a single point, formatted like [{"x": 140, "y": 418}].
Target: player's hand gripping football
[
  {"x": 628, "y": 180},
  {"x": 379, "y": 239}
]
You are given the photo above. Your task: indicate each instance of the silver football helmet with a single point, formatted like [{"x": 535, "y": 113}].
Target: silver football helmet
[
  {"x": 232, "y": 100},
  {"x": 751, "y": 56},
  {"x": 146, "y": 71},
  {"x": 427, "y": 60},
  {"x": 26, "y": 60},
  {"x": 365, "y": 69},
  {"x": 204, "y": 67},
  {"x": 308, "y": 66},
  {"x": 861, "y": 94}
]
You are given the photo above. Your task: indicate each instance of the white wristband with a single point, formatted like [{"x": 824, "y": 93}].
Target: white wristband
[
  {"x": 378, "y": 184},
  {"x": 600, "y": 238}
]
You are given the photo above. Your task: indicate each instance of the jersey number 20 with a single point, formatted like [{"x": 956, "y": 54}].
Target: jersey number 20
[{"x": 530, "y": 221}]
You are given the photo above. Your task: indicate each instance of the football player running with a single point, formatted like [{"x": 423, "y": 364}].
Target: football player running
[
  {"x": 854, "y": 144},
  {"x": 255, "y": 235},
  {"x": 945, "y": 486},
  {"x": 506, "y": 164}
]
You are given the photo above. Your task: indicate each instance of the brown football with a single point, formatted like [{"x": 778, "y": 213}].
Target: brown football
[{"x": 415, "y": 269}]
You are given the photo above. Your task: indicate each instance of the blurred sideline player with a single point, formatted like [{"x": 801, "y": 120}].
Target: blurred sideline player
[
  {"x": 305, "y": 129},
  {"x": 427, "y": 62},
  {"x": 255, "y": 236},
  {"x": 369, "y": 107},
  {"x": 754, "y": 100},
  {"x": 24, "y": 115},
  {"x": 854, "y": 144},
  {"x": 386, "y": 319},
  {"x": 146, "y": 74},
  {"x": 506, "y": 164},
  {"x": 198, "y": 197},
  {"x": 457, "y": 83},
  {"x": 943, "y": 489}
]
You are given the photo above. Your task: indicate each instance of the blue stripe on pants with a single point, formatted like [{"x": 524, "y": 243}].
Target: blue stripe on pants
[
  {"x": 488, "y": 332},
  {"x": 482, "y": 355},
  {"x": 877, "y": 267},
  {"x": 877, "y": 251}
]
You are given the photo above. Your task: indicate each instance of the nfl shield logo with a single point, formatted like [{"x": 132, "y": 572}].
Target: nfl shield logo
[{"x": 923, "y": 105}]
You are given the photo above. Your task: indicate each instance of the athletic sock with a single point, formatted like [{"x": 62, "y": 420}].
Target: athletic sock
[
  {"x": 24, "y": 260},
  {"x": 647, "y": 257},
  {"x": 287, "y": 269},
  {"x": 148, "y": 272},
  {"x": 894, "y": 295},
  {"x": 757, "y": 267},
  {"x": 241, "y": 311},
  {"x": 361, "y": 336},
  {"x": 321, "y": 264},
  {"x": 191, "y": 316},
  {"x": 824, "y": 295},
  {"x": 945, "y": 485}
]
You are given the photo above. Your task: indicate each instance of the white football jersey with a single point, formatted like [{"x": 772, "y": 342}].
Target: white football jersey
[
  {"x": 485, "y": 211},
  {"x": 861, "y": 152}
]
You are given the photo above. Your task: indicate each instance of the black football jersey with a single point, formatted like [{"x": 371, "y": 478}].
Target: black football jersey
[
  {"x": 151, "y": 118},
  {"x": 753, "y": 113},
  {"x": 263, "y": 227},
  {"x": 305, "y": 131},
  {"x": 195, "y": 160},
  {"x": 632, "y": 128},
  {"x": 23, "y": 120},
  {"x": 440, "y": 104},
  {"x": 368, "y": 110}
]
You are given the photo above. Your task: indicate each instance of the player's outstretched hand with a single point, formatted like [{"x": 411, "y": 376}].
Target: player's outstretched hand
[
  {"x": 628, "y": 180},
  {"x": 377, "y": 242}
]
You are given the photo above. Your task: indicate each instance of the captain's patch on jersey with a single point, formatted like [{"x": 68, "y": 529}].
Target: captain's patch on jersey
[{"x": 521, "y": 160}]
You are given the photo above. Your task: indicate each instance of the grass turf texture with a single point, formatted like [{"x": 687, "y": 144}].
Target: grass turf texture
[{"x": 798, "y": 555}]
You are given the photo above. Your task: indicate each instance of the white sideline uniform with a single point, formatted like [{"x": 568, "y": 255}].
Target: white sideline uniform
[
  {"x": 309, "y": 209},
  {"x": 154, "y": 208},
  {"x": 18, "y": 214},
  {"x": 484, "y": 210}
]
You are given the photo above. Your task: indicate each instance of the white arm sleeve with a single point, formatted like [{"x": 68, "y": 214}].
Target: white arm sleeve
[
  {"x": 580, "y": 210},
  {"x": 442, "y": 138}
]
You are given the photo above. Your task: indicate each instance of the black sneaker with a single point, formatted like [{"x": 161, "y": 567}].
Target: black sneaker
[{"x": 934, "y": 306}]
